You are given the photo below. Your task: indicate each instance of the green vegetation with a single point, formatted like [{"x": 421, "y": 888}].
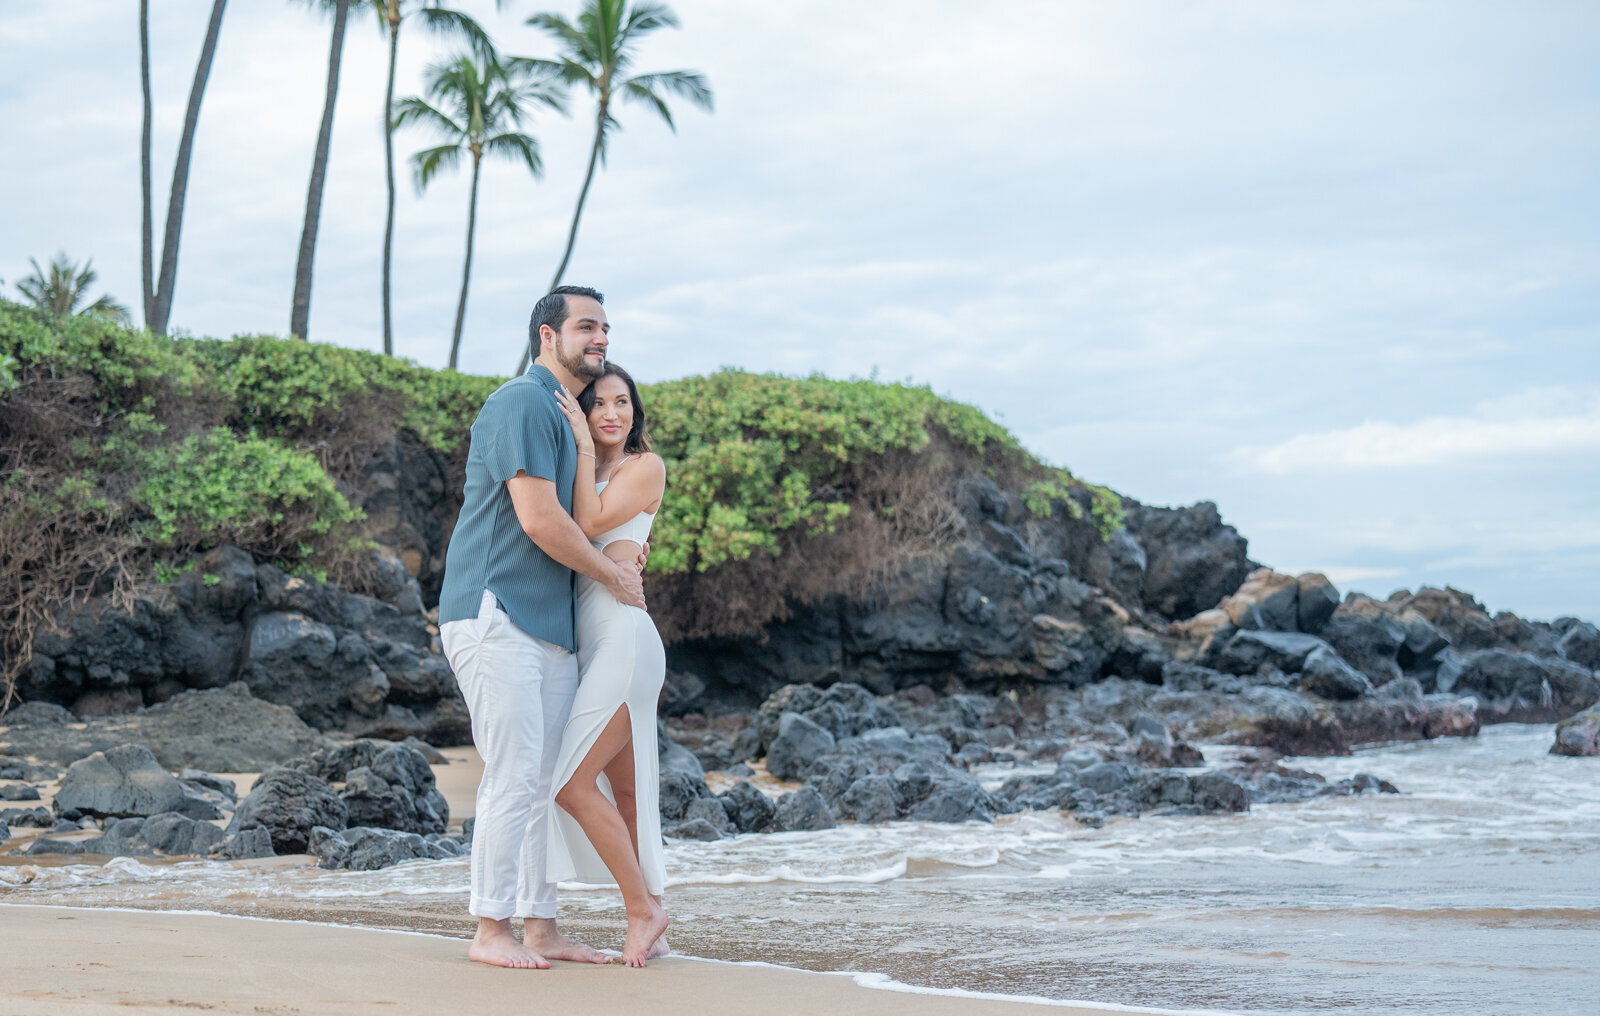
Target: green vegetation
[
  {"x": 126, "y": 455},
  {"x": 751, "y": 457}
]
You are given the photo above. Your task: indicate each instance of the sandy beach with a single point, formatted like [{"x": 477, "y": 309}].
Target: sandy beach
[{"x": 59, "y": 960}]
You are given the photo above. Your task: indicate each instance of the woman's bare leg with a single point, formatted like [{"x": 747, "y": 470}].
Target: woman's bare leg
[
  {"x": 612, "y": 840},
  {"x": 621, "y": 773}
]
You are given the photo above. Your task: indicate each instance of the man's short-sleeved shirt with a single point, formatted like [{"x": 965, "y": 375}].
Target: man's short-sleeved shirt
[{"x": 519, "y": 428}]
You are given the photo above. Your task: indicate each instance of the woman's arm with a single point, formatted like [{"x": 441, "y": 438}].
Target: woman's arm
[
  {"x": 634, "y": 488},
  {"x": 585, "y": 502}
]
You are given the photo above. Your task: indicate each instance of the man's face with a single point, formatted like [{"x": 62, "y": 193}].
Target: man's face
[{"x": 580, "y": 346}]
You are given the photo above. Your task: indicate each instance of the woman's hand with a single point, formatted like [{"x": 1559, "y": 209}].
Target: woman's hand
[{"x": 575, "y": 416}]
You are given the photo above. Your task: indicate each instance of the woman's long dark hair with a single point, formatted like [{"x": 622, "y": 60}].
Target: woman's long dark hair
[{"x": 638, "y": 439}]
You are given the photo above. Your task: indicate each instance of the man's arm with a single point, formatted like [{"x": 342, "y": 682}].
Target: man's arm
[{"x": 549, "y": 526}]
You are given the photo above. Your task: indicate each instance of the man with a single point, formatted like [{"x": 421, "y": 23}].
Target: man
[{"x": 506, "y": 621}]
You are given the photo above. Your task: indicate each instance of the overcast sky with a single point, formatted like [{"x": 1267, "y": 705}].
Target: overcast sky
[{"x": 1333, "y": 266}]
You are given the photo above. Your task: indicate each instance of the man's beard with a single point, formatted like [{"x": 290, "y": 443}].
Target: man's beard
[{"x": 580, "y": 367}]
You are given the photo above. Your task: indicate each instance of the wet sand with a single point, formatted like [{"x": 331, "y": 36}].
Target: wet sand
[{"x": 65, "y": 961}]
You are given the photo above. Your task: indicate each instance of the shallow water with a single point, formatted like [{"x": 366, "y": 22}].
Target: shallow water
[{"x": 1477, "y": 890}]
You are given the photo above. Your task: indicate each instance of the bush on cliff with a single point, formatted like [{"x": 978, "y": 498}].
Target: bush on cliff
[{"x": 126, "y": 454}]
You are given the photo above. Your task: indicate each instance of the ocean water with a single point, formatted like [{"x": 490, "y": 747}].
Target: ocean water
[{"x": 1475, "y": 890}]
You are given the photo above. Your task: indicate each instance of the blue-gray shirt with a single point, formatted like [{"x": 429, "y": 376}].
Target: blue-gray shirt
[{"x": 519, "y": 427}]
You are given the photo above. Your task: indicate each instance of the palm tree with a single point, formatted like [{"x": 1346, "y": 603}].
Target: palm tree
[
  {"x": 146, "y": 265},
  {"x": 59, "y": 292},
  {"x": 597, "y": 53},
  {"x": 488, "y": 100},
  {"x": 439, "y": 20},
  {"x": 300, "y": 306},
  {"x": 160, "y": 305}
]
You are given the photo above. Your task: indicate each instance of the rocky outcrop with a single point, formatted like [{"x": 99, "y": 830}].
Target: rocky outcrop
[
  {"x": 289, "y": 804},
  {"x": 387, "y": 786},
  {"x": 127, "y": 782},
  {"x": 225, "y": 729},
  {"x": 341, "y": 661},
  {"x": 1193, "y": 559},
  {"x": 366, "y": 848},
  {"x": 1518, "y": 687},
  {"x": 1019, "y": 599}
]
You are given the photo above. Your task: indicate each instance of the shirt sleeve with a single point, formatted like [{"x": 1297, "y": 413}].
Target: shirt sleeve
[{"x": 517, "y": 433}]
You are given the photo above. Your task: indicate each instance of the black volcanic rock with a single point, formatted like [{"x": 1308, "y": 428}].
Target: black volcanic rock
[
  {"x": 1194, "y": 559},
  {"x": 288, "y": 804}
]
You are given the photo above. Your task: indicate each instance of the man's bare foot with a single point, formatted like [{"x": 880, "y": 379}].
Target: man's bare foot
[
  {"x": 553, "y": 945},
  {"x": 643, "y": 932},
  {"x": 659, "y": 949},
  {"x": 495, "y": 945}
]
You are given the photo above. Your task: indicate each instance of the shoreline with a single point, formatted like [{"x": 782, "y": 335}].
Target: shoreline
[{"x": 127, "y": 959}]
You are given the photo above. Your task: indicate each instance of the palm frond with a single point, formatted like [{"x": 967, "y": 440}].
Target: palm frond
[
  {"x": 689, "y": 85},
  {"x": 427, "y": 163},
  {"x": 644, "y": 96},
  {"x": 448, "y": 23},
  {"x": 647, "y": 18},
  {"x": 515, "y": 145},
  {"x": 414, "y": 110},
  {"x": 111, "y": 310}
]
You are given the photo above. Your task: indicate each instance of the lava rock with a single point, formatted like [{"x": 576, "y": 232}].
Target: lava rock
[
  {"x": 750, "y": 809},
  {"x": 712, "y": 810},
  {"x": 245, "y": 843},
  {"x": 37, "y": 818},
  {"x": 1265, "y": 600},
  {"x": 1326, "y": 675},
  {"x": 803, "y": 809},
  {"x": 678, "y": 789},
  {"x": 18, "y": 792},
  {"x": 125, "y": 781},
  {"x": 872, "y": 798},
  {"x": 1581, "y": 645},
  {"x": 288, "y": 804},
  {"x": 694, "y": 829},
  {"x": 1579, "y": 734},
  {"x": 799, "y": 743}
]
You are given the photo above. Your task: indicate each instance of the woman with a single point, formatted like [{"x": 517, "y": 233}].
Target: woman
[{"x": 607, "y": 826}]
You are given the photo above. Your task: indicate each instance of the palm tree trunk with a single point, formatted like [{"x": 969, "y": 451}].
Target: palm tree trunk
[
  {"x": 146, "y": 258},
  {"x": 388, "y": 168},
  {"x": 180, "y": 176},
  {"x": 572, "y": 233},
  {"x": 466, "y": 270},
  {"x": 300, "y": 312}
]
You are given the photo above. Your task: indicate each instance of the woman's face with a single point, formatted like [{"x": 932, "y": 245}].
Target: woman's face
[{"x": 612, "y": 415}]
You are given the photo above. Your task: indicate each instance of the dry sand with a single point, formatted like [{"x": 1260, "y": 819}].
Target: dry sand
[{"x": 72, "y": 962}]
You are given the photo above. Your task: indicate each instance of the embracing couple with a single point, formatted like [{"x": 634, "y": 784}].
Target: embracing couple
[{"x": 542, "y": 619}]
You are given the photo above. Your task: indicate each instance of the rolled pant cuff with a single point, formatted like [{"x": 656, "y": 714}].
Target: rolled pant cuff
[
  {"x": 543, "y": 911},
  {"x": 493, "y": 910}
]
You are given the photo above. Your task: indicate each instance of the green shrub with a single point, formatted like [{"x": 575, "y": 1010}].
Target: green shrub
[
  {"x": 290, "y": 388},
  {"x": 751, "y": 456},
  {"x": 218, "y": 487}
]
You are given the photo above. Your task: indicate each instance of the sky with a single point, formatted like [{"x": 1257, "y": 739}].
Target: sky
[{"x": 1335, "y": 267}]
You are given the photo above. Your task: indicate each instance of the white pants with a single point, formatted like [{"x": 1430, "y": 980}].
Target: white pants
[{"x": 519, "y": 692}]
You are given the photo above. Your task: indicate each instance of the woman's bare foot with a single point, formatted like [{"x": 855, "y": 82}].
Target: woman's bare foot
[
  {"x": 495, "y": 945},
  {"x": 643, "y": 932},
  {"x": 659, "y": 949},
  {"x": 543, "y": 936}
]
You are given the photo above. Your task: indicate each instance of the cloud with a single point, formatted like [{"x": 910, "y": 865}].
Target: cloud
[{"x": 1535, "y": 422}]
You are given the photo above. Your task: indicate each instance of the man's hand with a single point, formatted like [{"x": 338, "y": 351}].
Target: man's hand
[
  {"x": 644, "y": 556},
  {"x": 627, "y": 585}
]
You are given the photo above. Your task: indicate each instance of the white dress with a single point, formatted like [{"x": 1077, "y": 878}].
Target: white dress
[{"x": 620, "y": 662}]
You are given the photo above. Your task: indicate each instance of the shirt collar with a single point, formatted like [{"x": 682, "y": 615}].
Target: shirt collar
[{"x": 540, "y": 373}]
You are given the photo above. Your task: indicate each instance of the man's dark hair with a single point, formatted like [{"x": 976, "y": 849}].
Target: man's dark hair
[{"x": 552, "y": 310}]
